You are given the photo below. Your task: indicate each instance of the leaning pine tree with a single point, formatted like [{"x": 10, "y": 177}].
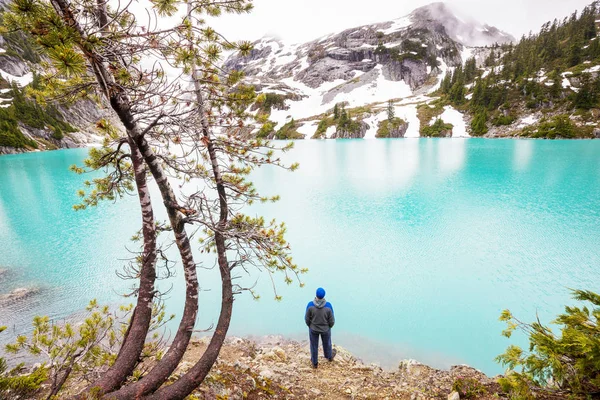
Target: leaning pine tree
[{"x": 183, "y": 118}]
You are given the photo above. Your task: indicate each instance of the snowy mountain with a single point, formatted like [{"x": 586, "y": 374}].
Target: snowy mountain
[{"x": 404, "y": 59}]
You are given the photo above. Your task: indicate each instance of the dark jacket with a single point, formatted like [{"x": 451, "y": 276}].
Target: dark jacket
[{"x": 319, "y": 315}]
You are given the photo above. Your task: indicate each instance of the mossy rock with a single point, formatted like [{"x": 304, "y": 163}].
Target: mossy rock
[{"x": 395, "y": 128}]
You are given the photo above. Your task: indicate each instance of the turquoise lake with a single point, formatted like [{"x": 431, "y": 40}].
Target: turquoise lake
[{"x": 419, "y": 243}]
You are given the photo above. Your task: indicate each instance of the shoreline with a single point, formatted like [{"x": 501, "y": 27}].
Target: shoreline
[
  {"x": 4, "y": 151},
  {"x": 280, "y": 367}
]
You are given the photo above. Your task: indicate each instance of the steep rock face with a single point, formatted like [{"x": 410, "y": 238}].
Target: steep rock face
[{"x": 428, "y": 36}]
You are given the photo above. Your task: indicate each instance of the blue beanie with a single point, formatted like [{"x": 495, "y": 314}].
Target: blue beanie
[{"x": 320, "y": 293}]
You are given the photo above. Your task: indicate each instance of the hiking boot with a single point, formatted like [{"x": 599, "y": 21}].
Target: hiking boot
[
  {"x": 314, "y": 366},
  {"x": 333, "y": 353}
]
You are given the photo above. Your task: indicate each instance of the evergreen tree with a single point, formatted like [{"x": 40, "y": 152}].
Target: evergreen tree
[
  {"x": 470, "y": 70},
  {"x": 491, "y": 59},
  {"x": 101, "y": 48},
  {"x": 587, "y": 96},
  {"x": 391, "y": 114},
  {"x": 446, "y": 84},
  {"x": 479, "y": 123}
]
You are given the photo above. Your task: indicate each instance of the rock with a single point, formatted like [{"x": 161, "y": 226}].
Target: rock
[
  {"x": 454, "y": 396},
  {"x": 346, "y": 134},
  {"x": 266, "y": 373},
  {"x": 414, "y": 368},
  {"x": 18, "y": 294},
  {"x": 596, "y": 133}
]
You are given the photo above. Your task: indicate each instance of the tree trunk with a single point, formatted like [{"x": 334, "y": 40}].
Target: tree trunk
[
  {"x": 139, "y": 325},
  {"x": 165, "y": 367},
  {"x": 186, "y": 384}
]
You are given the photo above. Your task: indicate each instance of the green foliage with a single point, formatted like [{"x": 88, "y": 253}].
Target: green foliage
[
  {"x": 408, "y": 50},
  {"x": 587, "y": 96},
  {"x": 571, "y": 360},
  {"x": 28, "y": 112},
  {"x": 559, "y": 126},
  {"x": 58, "y": 133},
  {"x": 386, "y": 127},
  {"x": 19, "y": 45},
  {"x": 468, "y": 388},
  {"x": 470, "y": 70},
  {"x": 438, "y": 129},
  {"x": 85, "y": 348},
  {"x": 479, "y": 123},
  {"x": 15, "y": 383},
  {"x": 345, "y": 123},
  {"x": 325, "y": 124},
  {"x": 267, "y": 101},
  {"x": 266, "y": 130},
  {"x": 289, "y": 131},
  {"x": 501, "y": 119},
  {"x": 10, "y": 134},
  {"x": 446, "y": 83},
  {"x": 516, "y": 386},
  {"x": 391, "y": 114}
]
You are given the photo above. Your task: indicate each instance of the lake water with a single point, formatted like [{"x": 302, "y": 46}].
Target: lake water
[{"x": 419, "y": 243}]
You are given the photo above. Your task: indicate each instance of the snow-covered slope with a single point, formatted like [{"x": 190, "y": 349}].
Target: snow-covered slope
[{"x": 403, "y": 59}]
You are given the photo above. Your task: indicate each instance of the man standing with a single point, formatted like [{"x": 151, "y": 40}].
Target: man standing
[{"x": 320, "y": 319}]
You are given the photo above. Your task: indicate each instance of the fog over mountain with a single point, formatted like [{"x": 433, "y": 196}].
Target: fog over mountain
[{"x": 309, "y": 19}]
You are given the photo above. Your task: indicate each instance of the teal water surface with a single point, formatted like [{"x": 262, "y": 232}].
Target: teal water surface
[{"x": 419, "y": 243}]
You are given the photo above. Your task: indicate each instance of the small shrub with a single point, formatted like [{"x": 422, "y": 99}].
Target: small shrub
[
  {"x": 468, "y": 388},
  {"x": 560, "y": 126},
  {"x": 503, "y": 120},
  {"x": 438, "y": 129},
  {"x": 15, "y": 383},
  {"x": 266, "y": 130},
  {"x": 324, "y": 124},
  {"x": 289, "y": 131},
  {"x": 58, "y": 133}
]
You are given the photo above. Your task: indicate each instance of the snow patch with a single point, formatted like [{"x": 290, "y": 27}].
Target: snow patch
[
  {"x": 466, "y": 54},
  {"x": 530, "y": 120},
  {"x": 19, "y": 80},
  {"x": 398, "y": 24},
  {"x": 409, "y": 114},
  {"x": 456, "y": 118},
  {"x": 379, "y": 90},
  {"x": 595, "y": 68},
  {"x": 308, "y": 129},
  {"x": 330, "y": 132},
  {"x": 373, "y": 122}
]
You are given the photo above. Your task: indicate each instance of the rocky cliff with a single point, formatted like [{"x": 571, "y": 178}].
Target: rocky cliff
[{"x": 404, "y": 59}]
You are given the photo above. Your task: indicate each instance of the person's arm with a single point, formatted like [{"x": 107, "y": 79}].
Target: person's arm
[
  {"x": 331, "y": 316},
  {"x": 307, "y": 314}
]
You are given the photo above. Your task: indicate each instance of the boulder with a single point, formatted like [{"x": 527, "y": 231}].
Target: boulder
[{"x": 454, "y": 396}]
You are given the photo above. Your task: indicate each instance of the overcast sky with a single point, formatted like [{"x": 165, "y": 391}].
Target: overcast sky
[{"x": 304, "y": 20}]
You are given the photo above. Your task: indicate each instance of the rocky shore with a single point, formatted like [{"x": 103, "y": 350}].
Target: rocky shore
[{"x": 276, "y": 368}]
